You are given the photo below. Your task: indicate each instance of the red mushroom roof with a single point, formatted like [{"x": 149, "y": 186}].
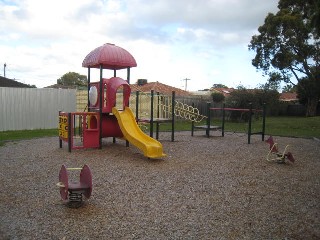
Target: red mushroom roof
[{"x": 109, "y": 56}]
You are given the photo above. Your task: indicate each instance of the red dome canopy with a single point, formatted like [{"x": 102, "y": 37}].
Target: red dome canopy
[{"x": 109, "y": 56}]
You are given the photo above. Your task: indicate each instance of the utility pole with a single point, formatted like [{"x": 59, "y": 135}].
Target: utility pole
[
  {"x": 4, "y": 69},
  {"x": 186, "y": 84}
]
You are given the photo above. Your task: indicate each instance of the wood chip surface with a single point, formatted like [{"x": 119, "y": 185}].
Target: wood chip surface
[{"x": 206, "y": 188}]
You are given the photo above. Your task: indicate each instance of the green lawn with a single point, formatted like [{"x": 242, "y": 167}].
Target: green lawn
[
  {"x": 277, "y": 126},
  {"x": 27, "y": 134}
]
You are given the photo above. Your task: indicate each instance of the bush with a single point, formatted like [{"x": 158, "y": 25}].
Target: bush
[{"x": 242, "y": 98}]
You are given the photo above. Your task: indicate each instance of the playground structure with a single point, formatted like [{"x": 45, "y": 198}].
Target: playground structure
[
  {"x": 163, "y": 109},
  {"x": 73, "y": 191},
  {"x": 108, "y": 115},
  {"x": 279, "y": 157},
  {"x": 208, "y": 127}
]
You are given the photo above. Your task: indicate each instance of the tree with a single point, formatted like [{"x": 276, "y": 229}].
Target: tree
[
  {"x": 73, "y": 79},
  {"x": 288, "y": 45},
  {"x": 219, "y": 85},
  {"x": 217, "y": 97},
  {"x": 289, "y": 88},
  {"x": 309, "y": 89}
]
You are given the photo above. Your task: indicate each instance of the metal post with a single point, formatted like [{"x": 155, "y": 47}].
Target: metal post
[
  {"x": 173, "y": 115},
  {"x": 263, "y": 120},
  {"x": 223, "y": 119},
  {"x": 151, "y": 114},
  {"x": 100, "y": 108},
  {"x": 158, "y": 115},
  {"x": 250, "y": 123},
  {"x": 192, "y": 124},
  {"x": 60, "y": 141},
  {"x": 208, "y": 119},
  {"x": 137, "y": 105},
  {"x": 89, "y": 76},
  {"x": 128, "y": 75},
  {"x": 69, "y": 132}
]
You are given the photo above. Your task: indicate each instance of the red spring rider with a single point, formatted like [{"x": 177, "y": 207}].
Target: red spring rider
[{"x": 74, "y": 190}]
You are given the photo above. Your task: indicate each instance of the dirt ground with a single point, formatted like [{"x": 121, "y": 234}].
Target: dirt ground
[{"x": 206, "y": 188}]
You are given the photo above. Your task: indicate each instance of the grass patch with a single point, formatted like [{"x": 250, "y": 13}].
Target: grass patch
[
  {"x": 277, "y": 126},
  {"x": 26, "y": 134}
]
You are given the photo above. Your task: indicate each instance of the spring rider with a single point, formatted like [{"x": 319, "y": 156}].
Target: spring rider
[
  {"x": 279, "y": 157},
  {"x": 73, "y": 191}
]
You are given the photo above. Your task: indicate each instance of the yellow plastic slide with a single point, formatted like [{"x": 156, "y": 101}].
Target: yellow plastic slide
[{"x": 151, "y": 147}]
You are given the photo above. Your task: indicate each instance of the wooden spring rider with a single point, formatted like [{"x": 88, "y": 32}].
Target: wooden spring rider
[
  {"x": 280, "y": 157},
  {"x": 74, "y": 190}
]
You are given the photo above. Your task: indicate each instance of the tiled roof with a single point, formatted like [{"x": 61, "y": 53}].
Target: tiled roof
[
  {"x": 6, "y": 82},
  {"x": 287, "y": 97},
  {"x": 225, "y": 91},
  {"x": 159, "y": 87}
]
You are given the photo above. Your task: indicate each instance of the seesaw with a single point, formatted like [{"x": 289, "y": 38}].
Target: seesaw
[
  {"x": 73, "y": 191},
  {"x": 279, "y": 157}
]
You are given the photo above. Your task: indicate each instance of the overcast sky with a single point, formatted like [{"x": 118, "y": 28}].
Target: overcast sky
[{"x": 203, "y": 40}]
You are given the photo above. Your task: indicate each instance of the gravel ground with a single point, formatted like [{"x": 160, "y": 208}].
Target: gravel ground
[{"x": 206, "y": 188}]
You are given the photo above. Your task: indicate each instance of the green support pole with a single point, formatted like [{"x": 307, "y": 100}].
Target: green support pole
[
  {"x": 223, "y": 119},
  {"x": 60, "y": 141},
  {"x": 137, "y": 105},
  {"x": 69, "y": 132},
  {"x": 250, "y": 123},
  {"x": 100, "y": 109},
  {"x": 128, "y": 75},
  {"x": 192, "y": 124},
  {"x": 158, "y": 115},
  {"x": 128, "y": 80},
  {"x": 172, "y": 114},
  {"x": 151, "y": 114},
  {"x": 208, "y": 119},
  {"x": 89, "y": 76},
  {"x": 263, "y": 121}
]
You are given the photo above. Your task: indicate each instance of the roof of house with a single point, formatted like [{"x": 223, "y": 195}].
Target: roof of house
[
  {"x": 158, "y": 87},
  {"x": 288, "y": 97},
  {"x": 64, "y": 86},
  {"x": 225, "y": 91},
  {"x": 6, "y": 82}
]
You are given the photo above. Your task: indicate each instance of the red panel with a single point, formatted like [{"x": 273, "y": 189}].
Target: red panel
[
  {"x": 86, "y": 180},
  {"x": 109, "y": 56},
  {"x": 63, "y": 178},
  {"x": 110, "y": 127}
]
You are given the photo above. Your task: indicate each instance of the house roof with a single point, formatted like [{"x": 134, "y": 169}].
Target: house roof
[
  {"x": 6, "y": 82},
  {"x": 288, "y": 97},
  {"x": 225, "y": 91},
  {"x": 158, "y": 87}
]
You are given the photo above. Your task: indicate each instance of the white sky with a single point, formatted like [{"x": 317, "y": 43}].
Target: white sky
[{"x": 203, "y": 40}]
